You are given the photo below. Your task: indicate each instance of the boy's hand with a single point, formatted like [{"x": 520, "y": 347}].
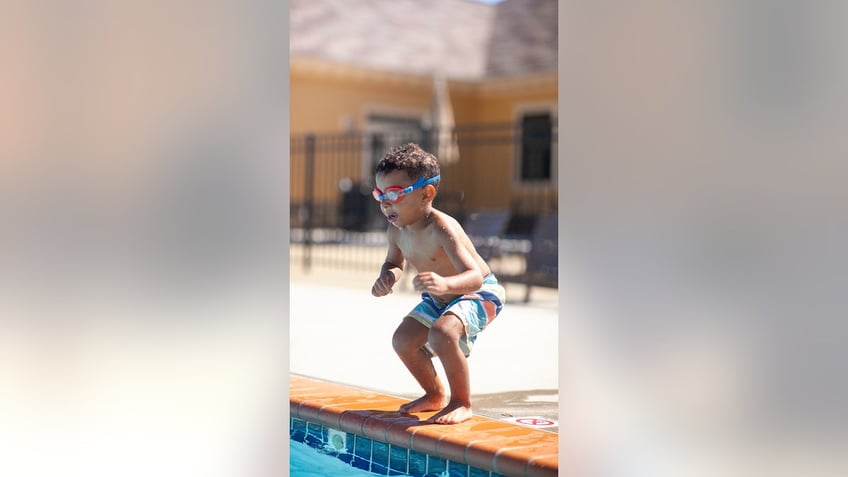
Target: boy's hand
[
  {"x": 383, "y": 285},
  {"x": 431, "y": 283}
]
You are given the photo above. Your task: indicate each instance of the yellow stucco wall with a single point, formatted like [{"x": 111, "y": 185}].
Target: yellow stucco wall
[
  {"x": 330, "y": 98},
  {"x": 323, "y": 98}
]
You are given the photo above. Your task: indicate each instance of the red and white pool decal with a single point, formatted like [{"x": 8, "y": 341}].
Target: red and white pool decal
[{"x": 532, "y": 421}]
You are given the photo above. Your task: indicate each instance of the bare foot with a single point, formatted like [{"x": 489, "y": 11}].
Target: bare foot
[
  {"x": 425, "y": 403},
  {"x": 453, "y": 413}
]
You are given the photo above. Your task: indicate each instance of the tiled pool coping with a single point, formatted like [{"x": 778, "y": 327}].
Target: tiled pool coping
[{"x": 477, "y": 447}]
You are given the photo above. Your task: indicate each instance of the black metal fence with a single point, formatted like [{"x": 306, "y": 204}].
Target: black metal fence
[{"x": 335, "y": 222}]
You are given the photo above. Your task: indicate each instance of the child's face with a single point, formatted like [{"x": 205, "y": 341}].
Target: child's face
[{"x": 411, "y": 207}]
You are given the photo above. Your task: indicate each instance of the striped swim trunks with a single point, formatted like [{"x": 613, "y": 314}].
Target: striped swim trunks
[{"x": 476, "y": 310}]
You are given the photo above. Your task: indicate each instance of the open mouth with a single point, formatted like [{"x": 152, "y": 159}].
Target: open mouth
[{"x": 391, "y": 218}]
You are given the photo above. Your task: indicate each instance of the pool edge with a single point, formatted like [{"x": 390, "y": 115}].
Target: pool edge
[{"x": 496, "y": 446}]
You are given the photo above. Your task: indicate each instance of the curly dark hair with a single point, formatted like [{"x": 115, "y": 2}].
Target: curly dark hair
[{"x": 411, "y": 158}]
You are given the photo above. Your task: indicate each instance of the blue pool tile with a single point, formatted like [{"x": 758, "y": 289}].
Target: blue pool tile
[
  {"x": 380, "y": 453},
  {"x": 297, "y": 424},
  {"x": 417, "y": 463},
  {"x": 297, "y": 436},
  {"x": 455, "y": 469},
  {"x": 379, "y": 469},
  {"x": 313, "y": 441},
  {"x": 381, "y": 458},
  {"x": 398, "y": 458},
  {"x": 313, "y": 436},
  {"x": 436, "y": 465},
  {"x": 316, "y": 430},
  {"x": 475, "y": 472},
  {"x": 363, "y": 464},
  {"x": 362, "y": 447},
  {"x": 349, "y": 442},
  {"x": 297, "y": 430}
]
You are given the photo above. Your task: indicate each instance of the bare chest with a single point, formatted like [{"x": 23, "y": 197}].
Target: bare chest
[{"x": 422, "y": 253}]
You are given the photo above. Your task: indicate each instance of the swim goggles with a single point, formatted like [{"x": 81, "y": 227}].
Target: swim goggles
[{"x": 395, "y": 194}]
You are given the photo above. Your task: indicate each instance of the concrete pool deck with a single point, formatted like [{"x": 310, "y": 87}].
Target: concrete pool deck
[{"x": 341, "y": 334}]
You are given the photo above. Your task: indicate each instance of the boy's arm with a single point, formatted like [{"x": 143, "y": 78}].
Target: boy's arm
[
  {"x": 390, "y": 271},
  {"x": 468, "y": 278},
  {"x": 394, "y": 257},
  {"x": 393, "y": 268}
]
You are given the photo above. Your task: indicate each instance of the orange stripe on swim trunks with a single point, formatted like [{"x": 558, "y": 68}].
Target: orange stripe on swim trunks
[{"x": 490, "y": 311}]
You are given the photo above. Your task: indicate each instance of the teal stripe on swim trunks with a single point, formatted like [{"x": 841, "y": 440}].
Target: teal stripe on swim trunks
[{"x": 476, "y": 310}]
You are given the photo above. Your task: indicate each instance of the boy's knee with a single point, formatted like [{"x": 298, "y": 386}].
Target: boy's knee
[
  {"x": 403, "y": 343},
  {"x": 399, "y": 341},
  {"x": 445, "y": 333}
]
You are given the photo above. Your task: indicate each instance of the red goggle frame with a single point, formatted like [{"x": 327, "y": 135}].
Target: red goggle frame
[{"x": 395, "y": 194}]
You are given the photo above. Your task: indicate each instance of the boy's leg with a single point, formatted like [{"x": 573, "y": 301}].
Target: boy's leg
[
  {"x": 444, "y": 337},
  {"x": 407, "y": 341}
]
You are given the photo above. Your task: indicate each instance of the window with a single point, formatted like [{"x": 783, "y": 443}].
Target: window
[{"x": 536, "y": 160}]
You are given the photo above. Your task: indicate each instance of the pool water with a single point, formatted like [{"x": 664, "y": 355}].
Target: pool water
[
  {"x": 320, "y": 451},
  {"x": 306, "y": 461}
]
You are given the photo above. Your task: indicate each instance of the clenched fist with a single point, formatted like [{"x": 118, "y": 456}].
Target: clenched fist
[
  {"x": 384, "y": 283},
  {"x": 430, "y": 282}
]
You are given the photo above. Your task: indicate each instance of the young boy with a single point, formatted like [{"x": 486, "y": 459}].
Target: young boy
[{"x": 459, "y": 293}]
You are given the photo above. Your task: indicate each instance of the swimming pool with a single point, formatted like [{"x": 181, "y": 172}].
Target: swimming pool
[
  {"x": 313, "y": 445},
  {"x": 306, "y": 461}
]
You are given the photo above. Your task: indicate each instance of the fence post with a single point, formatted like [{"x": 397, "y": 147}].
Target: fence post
[
  {"x": 427, "y": 142},
  {"x": 309, "y": 199}
]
